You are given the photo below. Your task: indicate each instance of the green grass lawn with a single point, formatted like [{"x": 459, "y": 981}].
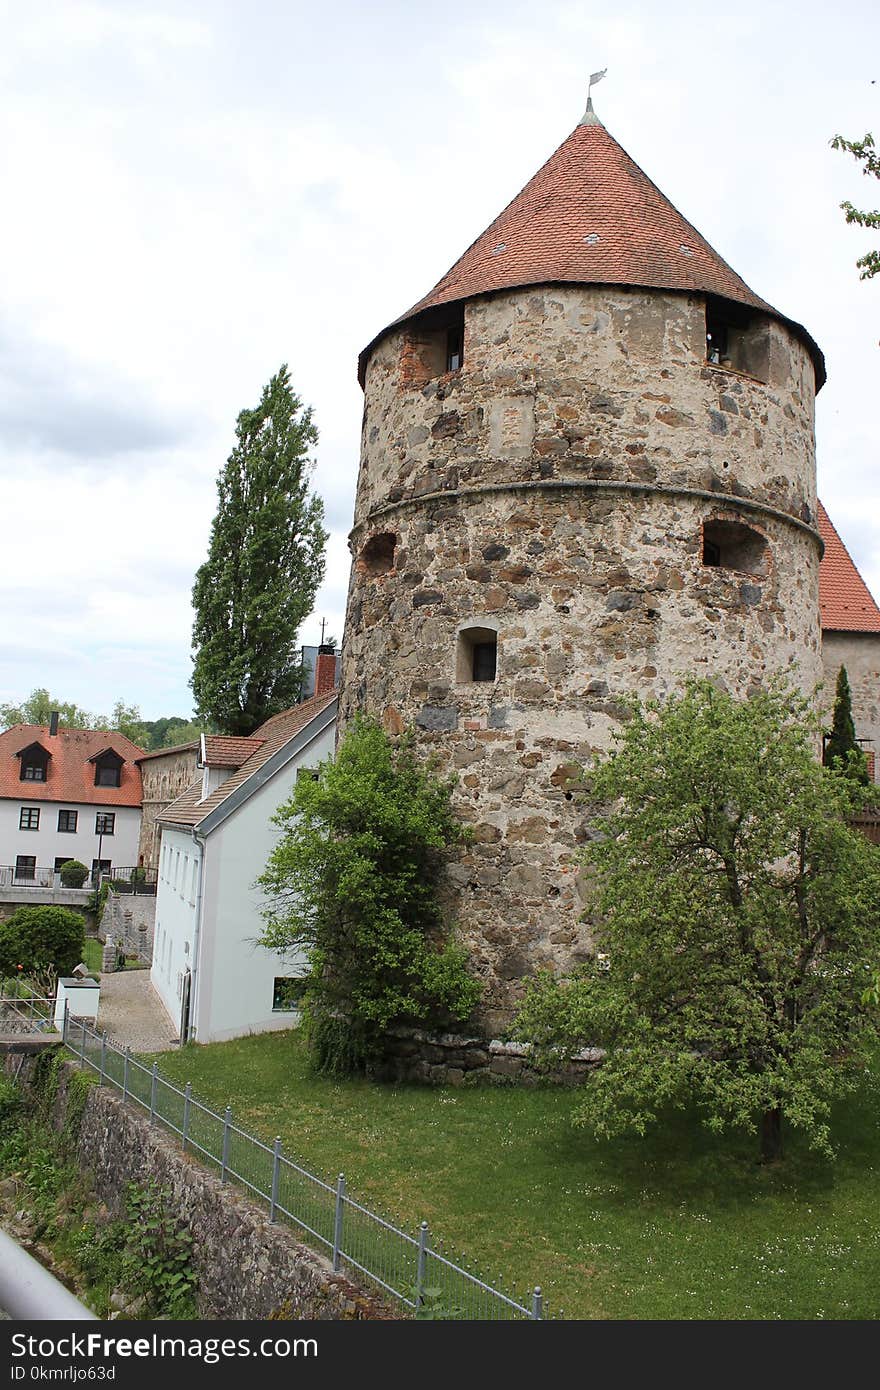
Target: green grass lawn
[
  {"x": 681, "y": 1225},
  {"x": 93, "y": 953}
]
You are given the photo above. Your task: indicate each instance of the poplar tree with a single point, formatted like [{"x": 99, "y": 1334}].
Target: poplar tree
[{"x": 265, "y": 563}]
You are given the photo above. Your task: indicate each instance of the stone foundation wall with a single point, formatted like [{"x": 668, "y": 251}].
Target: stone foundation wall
[
  {"x": 447, "y": 1059},
  {"x": 246, "y": 1267}
]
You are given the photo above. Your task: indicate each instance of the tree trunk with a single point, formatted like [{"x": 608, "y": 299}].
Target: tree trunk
[{"x": 771, "y": 1135}]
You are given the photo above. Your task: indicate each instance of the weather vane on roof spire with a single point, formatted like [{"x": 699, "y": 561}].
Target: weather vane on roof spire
[{"x": 589, "y": 117}]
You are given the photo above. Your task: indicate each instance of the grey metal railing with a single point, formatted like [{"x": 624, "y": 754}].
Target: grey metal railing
[
  {"x": 30, "y": 1292},
  {"x": 17, "y": 999},
  {"x": 412, "y": 1269}
]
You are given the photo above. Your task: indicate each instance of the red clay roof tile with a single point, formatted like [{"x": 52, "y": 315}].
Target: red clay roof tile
[
  {"x": 70, "y": 775},
  {"x": 845, "y": 601},
  {"x": 591, "y": 216},
  {"x": 188, "y": 810}
]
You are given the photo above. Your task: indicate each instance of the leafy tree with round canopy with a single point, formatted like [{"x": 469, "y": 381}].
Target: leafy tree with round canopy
[
  {"x": 735, "y": 919},
  {"x": 34, "y": 940}
]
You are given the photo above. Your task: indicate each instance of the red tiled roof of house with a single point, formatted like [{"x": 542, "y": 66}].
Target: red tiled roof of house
[
  {"x": 845, "y": 601},
  {"x": 267, "y": 740},
  {"x": 591, "y": 216},
  {"x": 70, "y": 776},
  {"x": 226, "y": 751}
]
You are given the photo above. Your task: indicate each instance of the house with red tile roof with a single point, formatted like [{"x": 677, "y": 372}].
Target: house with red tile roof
[
  {"x": 67, "y": 794},
  {"x": 850, "y": 636},
  {"x": 214, "y": 978}
]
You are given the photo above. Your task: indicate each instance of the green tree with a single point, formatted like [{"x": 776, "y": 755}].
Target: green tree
[
  {"x": 354, "y": 881},
  {"x": 735, "y": 922},
  {"x": 863, "y": 151},
  {"x": 841, "y": 746},
  {"x": 265, "y": 563},
  {"x": 38, "y": 707},
  {"x": 34, "y": 940}
]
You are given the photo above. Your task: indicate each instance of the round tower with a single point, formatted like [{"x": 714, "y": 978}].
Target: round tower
[{"x": 587, "y": 470}]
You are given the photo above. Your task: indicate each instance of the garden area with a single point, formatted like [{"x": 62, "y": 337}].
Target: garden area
[{"x": 678, "y": 1225}]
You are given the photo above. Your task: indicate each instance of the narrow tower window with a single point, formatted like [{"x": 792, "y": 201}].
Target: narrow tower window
[
  {"x": 377, "y": 554},
  {"x": 737, "y": 339},
  {"x": 477, "y": 656},
  {"x": 732, "y": 545}
]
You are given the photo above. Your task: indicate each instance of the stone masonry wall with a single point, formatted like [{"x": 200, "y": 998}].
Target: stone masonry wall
[
  {"x": 163, "y": 778},
  {"x": 859, "y": 652},
  {"x": 246, "y": 1266},
  {"x": 553, "y": 492}
]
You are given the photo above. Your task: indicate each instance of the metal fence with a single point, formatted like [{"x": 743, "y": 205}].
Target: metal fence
[
  {"x": 136, "y": 879},
  {"x": 409, "y": 1268},
  {"x": 25, "y": 1007}
]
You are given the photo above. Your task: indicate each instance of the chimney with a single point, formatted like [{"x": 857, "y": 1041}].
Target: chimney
[
  {"x": 325, "y": 671},
  {"x": 53, "y": 723}
]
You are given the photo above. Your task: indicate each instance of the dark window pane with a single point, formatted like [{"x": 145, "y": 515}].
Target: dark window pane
[{"x": 484, "y": 661}]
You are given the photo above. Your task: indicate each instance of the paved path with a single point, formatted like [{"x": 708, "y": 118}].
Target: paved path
[{"x": 130, "y": 1013}]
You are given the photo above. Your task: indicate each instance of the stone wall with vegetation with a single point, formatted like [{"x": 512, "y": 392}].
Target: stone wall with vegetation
[
  {"x": 246, "y": 1267},
  {"x": 553, "y": 492}
]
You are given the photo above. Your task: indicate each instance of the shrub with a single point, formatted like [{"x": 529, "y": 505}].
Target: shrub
[
  {"x": 38, "y": 939},
  {"x": 354, "y": 881},
  {"x": 73, "y": 874}
]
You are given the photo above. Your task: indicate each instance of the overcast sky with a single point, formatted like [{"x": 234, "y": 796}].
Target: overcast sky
[{"x": 196, "y": 192}]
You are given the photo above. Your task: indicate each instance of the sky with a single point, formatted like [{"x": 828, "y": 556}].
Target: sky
[{"x": 194, "y": 193}]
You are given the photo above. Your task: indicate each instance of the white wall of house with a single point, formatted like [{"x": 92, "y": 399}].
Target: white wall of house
[
  {"x": 236, "y": 976},
  {"x": 47, "y": 843},
  {"x": 177, "y": 896}
]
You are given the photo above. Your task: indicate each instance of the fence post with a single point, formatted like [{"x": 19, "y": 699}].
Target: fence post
[
  {"x": 125, "y": 1064},
  {"x": 103, "y": 1058},
  {"x": 537, "y": 1303},
  {"x": 276, "y": 1169},
  {"x": 65, "y": 1021},
  {"x": 337, "y": 1224},
  {"x": 187, "y": 1101},
  {"x": 224, "y": 1162},
  {"x": 82, "y": 1045},
  {"x": 423, "y": 1260},
  {"x": 154, "y": 1084}
]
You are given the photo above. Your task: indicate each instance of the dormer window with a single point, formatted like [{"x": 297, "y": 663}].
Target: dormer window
[
  {"x": 108, "y": 768},
  {"x": 34, "y": 766}
]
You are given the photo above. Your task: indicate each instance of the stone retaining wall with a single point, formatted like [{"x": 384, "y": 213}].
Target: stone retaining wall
[
  {"x": 247, "y": 1268},
  {"x": 446, "y": 1059}
]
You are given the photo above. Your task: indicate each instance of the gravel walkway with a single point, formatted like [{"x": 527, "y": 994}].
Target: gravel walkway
[{"x": 130, "y": 1013}]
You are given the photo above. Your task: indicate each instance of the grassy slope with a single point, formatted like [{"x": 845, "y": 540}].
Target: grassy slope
[{"x": 677, "y": 1226}]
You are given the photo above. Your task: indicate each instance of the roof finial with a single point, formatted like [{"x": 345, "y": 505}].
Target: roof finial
[{"x": 589, "y": 117}]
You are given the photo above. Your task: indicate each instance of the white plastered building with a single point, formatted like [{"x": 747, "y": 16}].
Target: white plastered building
[{"x": 212, "y": 975}]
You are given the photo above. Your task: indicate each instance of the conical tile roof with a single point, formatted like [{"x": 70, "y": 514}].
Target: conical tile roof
[{"x": 591, "y": 216}]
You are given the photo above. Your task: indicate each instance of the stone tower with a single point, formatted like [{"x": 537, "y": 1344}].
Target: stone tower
[{"x": 587, "y": 469}]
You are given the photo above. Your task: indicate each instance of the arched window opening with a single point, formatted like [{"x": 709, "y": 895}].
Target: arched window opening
[
  {"x": 732, "y": 545},
  {"x": 377, "y": 555},
  {"x": 477, "y": 656}
]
